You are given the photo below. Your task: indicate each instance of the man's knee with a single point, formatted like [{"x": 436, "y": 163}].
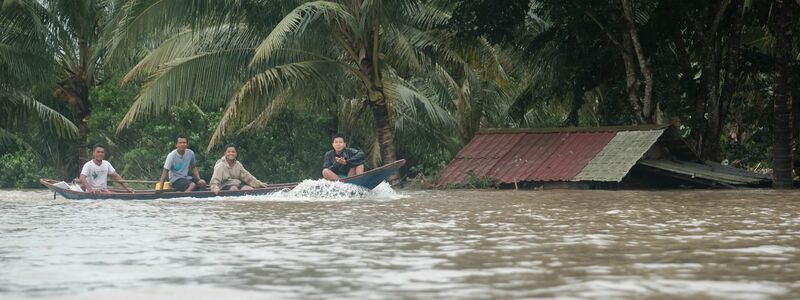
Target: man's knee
[
  {"x": 247, "y": 188},
  {"x": 233, "y": 188},
  {"x": 328, "y": 174}
]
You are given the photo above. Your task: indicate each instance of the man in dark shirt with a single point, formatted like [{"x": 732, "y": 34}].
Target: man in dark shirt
[{"x": 342, "y": 162}]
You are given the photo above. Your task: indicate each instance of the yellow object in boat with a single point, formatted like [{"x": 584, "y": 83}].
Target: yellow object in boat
[{"x": 166, "y": 185}]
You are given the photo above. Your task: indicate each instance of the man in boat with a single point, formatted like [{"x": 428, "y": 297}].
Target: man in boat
[
  {"x": 177, "y": 166},
  {"x": 230, "y": 174},
  {"x": 342, "y": 162},
  {"x": 95, "y": 173}
]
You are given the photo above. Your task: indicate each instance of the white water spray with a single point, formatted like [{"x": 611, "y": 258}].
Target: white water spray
[{"x": 324, "y": 190}]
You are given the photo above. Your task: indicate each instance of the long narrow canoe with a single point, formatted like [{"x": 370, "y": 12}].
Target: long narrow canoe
[{"x": 369, "y": 180}]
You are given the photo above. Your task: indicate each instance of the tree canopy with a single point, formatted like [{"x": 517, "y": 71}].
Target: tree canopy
[{"x": 410, "y": 78}]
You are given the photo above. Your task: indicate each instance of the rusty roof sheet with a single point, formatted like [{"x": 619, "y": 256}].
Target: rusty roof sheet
[
  {"x": 526, "y": 156},
  {"x": 619, "y": 156},
  {"x": 479, "y": 156},
  {"x": 575, "y": 154},
  {"x": 550, "y": 157}
]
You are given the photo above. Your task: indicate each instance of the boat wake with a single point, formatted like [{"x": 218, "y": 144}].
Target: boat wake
[{"x": 324, "y": 190}]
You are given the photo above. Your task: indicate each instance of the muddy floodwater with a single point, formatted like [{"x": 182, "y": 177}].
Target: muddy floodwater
[{"x": 321, "y": 244}]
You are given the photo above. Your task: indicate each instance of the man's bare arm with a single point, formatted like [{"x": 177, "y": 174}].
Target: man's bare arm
[{"x": 121, "y": 181}]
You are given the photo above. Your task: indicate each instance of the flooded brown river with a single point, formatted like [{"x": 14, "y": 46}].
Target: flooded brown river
[{"x": 405, "y": 245}]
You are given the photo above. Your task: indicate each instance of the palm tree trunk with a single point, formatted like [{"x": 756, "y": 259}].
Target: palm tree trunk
[
  {"x": 83, "y": 134},
  {"x": 368, "y": 61},
  {"x": 385, "y": 133},
  {"x": 472, "y": 110},
  {"x": 75, "y": 91},
  {"x": 782, "y": 107}
]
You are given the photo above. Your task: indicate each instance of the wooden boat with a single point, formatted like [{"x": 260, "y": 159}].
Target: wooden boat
[{"x": 369, "y": 180}]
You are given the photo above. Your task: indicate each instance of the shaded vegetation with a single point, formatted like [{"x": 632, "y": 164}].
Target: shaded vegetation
[{"x": 409, "y": 79}]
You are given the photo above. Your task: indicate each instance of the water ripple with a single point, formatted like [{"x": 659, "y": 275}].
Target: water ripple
[{"x": 312, "y": 243}]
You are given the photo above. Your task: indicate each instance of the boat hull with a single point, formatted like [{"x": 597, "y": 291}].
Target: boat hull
[{"x": 368, "y": 180}]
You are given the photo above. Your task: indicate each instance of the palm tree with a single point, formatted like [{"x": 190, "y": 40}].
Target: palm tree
[
  {"x": 25, "y": 62},
  {"x": 60, "y": 46},
  {"x": 358, "y": 53}
]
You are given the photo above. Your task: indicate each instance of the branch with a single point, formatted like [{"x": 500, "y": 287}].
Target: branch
[
  {"x": 723, "y": 6},
  {"x": 603, "y": 28}
]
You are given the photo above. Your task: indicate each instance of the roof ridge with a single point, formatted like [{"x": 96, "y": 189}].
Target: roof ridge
[{"x": 574, "y": 129}]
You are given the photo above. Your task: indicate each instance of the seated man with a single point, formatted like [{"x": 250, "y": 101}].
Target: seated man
[
  {"x": 229, "y": 174},
  {"x": 342, "y": 162},
  {"x": 94, "y": 175},
  {"x": 177, "y": 166}
]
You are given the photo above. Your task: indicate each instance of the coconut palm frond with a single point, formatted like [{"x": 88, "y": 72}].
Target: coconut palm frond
[
  {"x": 155, "y": 20},
  {"x": 275, "y": 106},
  {"x": 253, "y": 105},
  {"x": 401, "y": 50},
  {"x": 422, "y": 15},
  {"x": 24, "y": 59},
  {"x": 21, "y": 105},
  {"x": 296, "y": 22},
  {"x": 414, "y": 104},
  {"x": 490, "y": 62},
  {"x": 180, "y": 45},
  {"x": 6, "y": 137},
  {"x": 22, "y": 67},
  {"x": 188, "y": 43},
  {"x": 206, "y": 79}
]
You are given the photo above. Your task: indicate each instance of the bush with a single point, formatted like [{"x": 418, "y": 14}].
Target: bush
[
  {"x": 289, "y": 149},
  {"x": 22, "y": 169},
  {"x": 476, "y": 182}
]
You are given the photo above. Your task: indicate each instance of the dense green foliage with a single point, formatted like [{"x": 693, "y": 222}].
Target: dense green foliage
[
  {"x": 289, "y": 149},
  {"x": 709, "y": 67},
  {"x": 415, "y": 78},
  {"x": 22, "y": 169}
]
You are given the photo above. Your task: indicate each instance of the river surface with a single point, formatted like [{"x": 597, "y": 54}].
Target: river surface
[{"x": 317, "y": 243}]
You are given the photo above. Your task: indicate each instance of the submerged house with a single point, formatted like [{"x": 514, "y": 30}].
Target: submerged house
[{"x": 646, "y": 156}]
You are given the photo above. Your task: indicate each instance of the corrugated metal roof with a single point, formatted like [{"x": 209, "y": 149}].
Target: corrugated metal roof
[
  {"x": 479, "y": 156},
  {"x": 513, "y": 157},
  {"x": 619, "y": 156},
  {"x": 709, "y": 170},
  {"x": 603, "y": 154},
  {"x": 550, "y": 156}
]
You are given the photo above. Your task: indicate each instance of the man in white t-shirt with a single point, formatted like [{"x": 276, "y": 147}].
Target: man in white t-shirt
[{"x": 94, "y": 175}]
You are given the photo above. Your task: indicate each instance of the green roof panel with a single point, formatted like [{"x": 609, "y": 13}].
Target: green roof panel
[{"x": 619, "y": 156}]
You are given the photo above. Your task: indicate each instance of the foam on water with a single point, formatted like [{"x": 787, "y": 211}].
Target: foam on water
[
  {"x": 764, "y": 250},
  {"x": 325, "y": 190}
]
